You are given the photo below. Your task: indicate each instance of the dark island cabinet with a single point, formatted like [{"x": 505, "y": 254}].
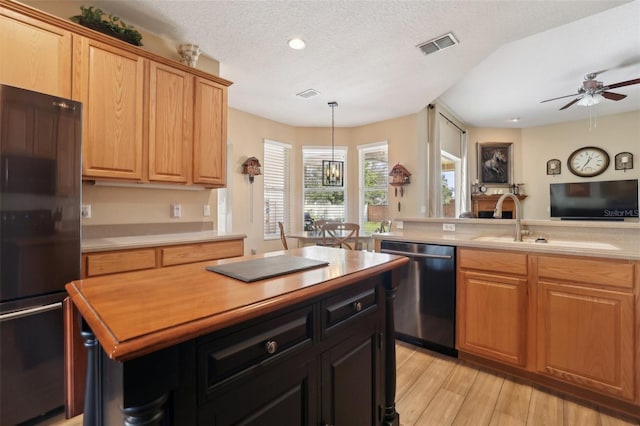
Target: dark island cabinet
[{"x": 320, "y": 362}]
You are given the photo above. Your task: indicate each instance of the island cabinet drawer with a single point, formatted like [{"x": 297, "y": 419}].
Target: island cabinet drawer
[
  {"x": 240, "y": 352},
  {"x": 190, "y": 253},
  {"x": 599, "y": 272},
  {"x": 349, "y": 306},
  {"x": 119, "y": 261},
  {"x": 493, "y": 261}
]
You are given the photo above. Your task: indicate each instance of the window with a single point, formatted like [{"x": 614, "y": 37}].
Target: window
[
  {"x": 450, "y": 169},
  {"x": 275, "y": 171},
  {"x": 374, "y": 188},
  {"x": 322, "y": 202}
]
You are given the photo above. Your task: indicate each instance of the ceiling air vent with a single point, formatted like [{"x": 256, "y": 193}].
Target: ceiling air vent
[
  {"x": 309, "y": 93},
  {"x": 438, "y": 43}
]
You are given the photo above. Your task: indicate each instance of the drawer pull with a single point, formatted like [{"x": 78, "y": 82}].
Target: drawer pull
[
  {"x": 271, "y": 346},
  {"x": 357, "y": 306}
]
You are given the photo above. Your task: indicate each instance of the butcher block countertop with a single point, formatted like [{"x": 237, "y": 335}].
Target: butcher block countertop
[{"x": 137, "y": 313}]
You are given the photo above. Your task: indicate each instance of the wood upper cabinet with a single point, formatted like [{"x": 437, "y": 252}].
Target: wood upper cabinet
[
  {"x": 35, "y": 54},
  {"x": 170, "y": 125},
  {"x": 210, "y": 133},
  {"x": 34, "y": 127},
  {"x": 492, "y": 305},
  {"x": 586, "y": 332},
  {"x": 109, "y": 82}
]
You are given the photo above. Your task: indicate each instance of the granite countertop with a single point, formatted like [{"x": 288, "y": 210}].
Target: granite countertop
[
  {"x": 568, "y": 243},
  {"x": 128, "y": 242}
]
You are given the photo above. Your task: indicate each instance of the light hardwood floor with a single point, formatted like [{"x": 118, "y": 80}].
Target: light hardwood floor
[{"x": 437, "y": 390}]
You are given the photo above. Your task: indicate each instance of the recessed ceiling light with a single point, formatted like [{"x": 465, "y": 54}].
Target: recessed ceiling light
[
  {"x": 297, "y": 43},
  {"x": 514, "y": 119}
]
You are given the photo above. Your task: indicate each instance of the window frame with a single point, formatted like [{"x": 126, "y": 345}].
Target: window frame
[
  {"x": 362, "y": 151},
  {"x": 286, "y": 151},
  {"x": 319, "y": 153}
]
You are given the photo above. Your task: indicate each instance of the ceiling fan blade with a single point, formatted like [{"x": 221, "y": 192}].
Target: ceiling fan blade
[
  {"x": 613, "y": 96},
  {"x": 569, "y": 104},
  {"x": 623, "y": 83},
  {"x": 560, "y": 97}
]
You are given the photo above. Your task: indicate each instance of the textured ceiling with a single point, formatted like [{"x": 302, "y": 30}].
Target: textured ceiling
[{"x": 362, "y": 54}]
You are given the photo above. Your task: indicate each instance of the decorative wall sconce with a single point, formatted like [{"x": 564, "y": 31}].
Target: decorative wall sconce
[
  {"x": 251, "y": 167},
  {"x": 189, "y": 54},
  {"x": 554, "y": 167},
  {"x": 624, "y": 161}
]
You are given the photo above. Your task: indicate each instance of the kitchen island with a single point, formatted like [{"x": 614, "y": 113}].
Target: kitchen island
[{"x": 183, "y": 345}]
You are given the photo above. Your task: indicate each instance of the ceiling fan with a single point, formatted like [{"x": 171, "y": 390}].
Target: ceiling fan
[{"x": 593, "y": 91}]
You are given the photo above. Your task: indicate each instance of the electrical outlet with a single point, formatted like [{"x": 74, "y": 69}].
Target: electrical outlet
[
  {"x": 176, "y": 211},
  {"x": 206, "y": 210},
  {"x": 448, "y": 227},
  {"x": 85, "y": 211}
]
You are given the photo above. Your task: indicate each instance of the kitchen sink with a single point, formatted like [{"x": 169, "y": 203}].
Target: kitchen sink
[{"x": 550, "y": 242}]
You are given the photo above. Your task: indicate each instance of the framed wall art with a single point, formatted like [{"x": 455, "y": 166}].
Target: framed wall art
[{"x": 495, "y": 163}]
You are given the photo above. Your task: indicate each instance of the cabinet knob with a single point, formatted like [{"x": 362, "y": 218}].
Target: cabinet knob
[
  {"x": 271, "y": 346},
  {"x": 357, "y": 306}
]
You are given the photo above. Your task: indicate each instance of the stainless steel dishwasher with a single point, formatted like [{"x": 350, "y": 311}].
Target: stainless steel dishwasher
[{"x": 425, "y": 306}]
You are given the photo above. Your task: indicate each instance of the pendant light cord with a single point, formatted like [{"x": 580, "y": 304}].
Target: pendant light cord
[{"x": 333, "y": 129}]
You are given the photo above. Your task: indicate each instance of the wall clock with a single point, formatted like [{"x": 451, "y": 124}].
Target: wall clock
[{"x": 588, "y": 161}]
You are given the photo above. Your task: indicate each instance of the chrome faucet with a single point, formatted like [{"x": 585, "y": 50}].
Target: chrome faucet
[{"x": 497, "y": 213}]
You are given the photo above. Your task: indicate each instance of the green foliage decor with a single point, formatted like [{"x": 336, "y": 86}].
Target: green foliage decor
[{"x": 92, "y": 18}]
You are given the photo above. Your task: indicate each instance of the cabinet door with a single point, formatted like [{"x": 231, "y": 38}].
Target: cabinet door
[
  {"x": 285, "y": 395},
  {"x": 585, "y": 337},
  {"x": 35, "y": 55},
  {"x": 34, "y": 125},
  {"x": 111, "y": 82},
  {"x": 350, "y": 382},
  {"x": 492, "y": 316},
  {"x": 170, "y": 123},
  {"x": 210, "y": 133}
]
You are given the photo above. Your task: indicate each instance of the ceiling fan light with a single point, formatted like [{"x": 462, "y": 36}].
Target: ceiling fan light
[{"x": 589, "y": 100}]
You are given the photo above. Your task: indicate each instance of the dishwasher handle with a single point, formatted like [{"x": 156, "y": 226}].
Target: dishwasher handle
[{"x": 420, "y": 255}]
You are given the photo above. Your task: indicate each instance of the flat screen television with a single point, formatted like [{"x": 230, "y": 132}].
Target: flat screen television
[{"x": 603, "y": 200}]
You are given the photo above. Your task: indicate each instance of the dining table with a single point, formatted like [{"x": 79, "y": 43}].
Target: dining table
[{"x": 365, "y": 239}]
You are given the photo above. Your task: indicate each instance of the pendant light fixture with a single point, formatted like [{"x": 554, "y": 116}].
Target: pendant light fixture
[{"x": 332, "y": 171}]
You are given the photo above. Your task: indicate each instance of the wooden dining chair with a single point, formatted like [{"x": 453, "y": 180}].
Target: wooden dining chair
[
  {"x": 318, "y": 224},
  {"x": 338, "y": 234},
  {"x": 385, "y": 226},
  {"x": 283, "y": 237}
]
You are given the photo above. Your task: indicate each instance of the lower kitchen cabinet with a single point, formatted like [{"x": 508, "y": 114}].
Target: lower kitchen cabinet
[
  {"x": 585, "y": 333},
  {"x": 284, "y": 395},
  {"x": 260, "y": 373},
  {"x": 492, "y": 306},
  {"x": 282, "y": 371},
  {"x": 350, "y": 371},
  {"x": 568, "y": 322}
]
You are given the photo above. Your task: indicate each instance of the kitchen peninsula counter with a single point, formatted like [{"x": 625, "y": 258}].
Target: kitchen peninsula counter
[
  {"x": 170, "y": 316},
  {"x": 613, "y": 240}
]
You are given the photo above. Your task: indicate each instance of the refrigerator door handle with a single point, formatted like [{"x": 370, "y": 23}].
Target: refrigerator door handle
[{"x": 31, "y": 311}]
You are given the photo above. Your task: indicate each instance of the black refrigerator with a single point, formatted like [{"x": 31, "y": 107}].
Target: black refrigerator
[{"x": 40, "y": 183}]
